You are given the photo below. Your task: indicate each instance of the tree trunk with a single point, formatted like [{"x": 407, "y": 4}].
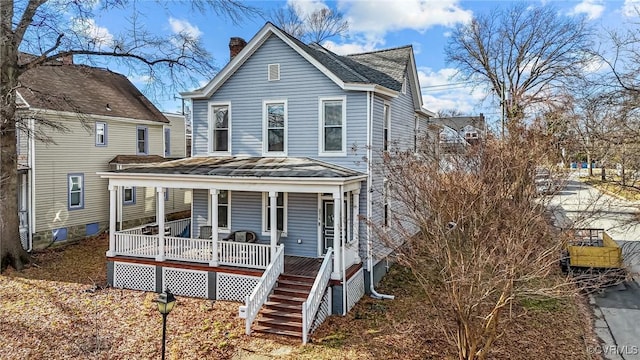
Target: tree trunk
[{"x": 11, "y": 251}]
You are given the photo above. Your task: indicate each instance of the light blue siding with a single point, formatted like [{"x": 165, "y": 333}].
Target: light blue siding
[
  {"x": 301, "y": 84},
  {"x": 246, "y": 214}
]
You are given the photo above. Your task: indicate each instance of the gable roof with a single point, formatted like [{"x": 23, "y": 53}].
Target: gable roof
[
  {"x": 86, "y": 90},
  {"x": 379, "y": 71}
]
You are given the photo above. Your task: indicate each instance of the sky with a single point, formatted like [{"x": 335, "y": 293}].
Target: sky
[{"x": 373, "y": 25}]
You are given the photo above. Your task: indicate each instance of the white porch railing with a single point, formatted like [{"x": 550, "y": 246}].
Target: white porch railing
[
  {"x": 261, "y": 292},
  {"x": 134, "y": 244},
  {"x": 177, "y": 226},
  {"x": 249, "y": 255},
  {"x": 186, "y": 249},
  {"x": 310, "y": 306}
]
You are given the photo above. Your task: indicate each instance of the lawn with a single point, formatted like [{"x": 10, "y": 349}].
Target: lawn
[{"x": 57, "y": 309}]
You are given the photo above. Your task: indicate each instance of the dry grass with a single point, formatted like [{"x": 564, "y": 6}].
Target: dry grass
[
  {"x": 52, "y": 311},
  {"x": 614, "y": 187}
]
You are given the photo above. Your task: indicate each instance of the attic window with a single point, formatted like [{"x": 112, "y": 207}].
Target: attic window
[
  {"x": 274, "y": 72},
  {"x": 404, "y": 86}
]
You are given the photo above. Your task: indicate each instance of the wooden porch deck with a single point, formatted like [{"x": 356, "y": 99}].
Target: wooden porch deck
[{"x": 301, "y": 266}]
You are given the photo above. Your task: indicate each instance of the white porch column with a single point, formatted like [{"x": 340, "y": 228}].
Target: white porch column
[
  {"x": 273, "y": 223},
  {"x": 337, "y": 235},
  {"x": 160, "y": 222},
  {"x": 113, "y": 192},
  {"x": 214, "y": 225},
  {"x": 355, "y": 232}
]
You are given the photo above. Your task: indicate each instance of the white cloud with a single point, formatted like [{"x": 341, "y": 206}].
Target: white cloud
[
  {"x": 631, "y": 8},
  {"x": 349, "y": 48},
  {"x": 306, "y": 7},
  {"x": 140, "y": 79},
  {"x": 591, "y": 8},
  {"x": 98, "y": 34},
  {"x": 382, "y": 16},
  {"x": 439, "y": 92},
  {"x": 185, "y": 28}
]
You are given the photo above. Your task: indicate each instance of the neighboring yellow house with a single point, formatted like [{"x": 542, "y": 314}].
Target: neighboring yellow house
[{"x": 105, "y": 120}]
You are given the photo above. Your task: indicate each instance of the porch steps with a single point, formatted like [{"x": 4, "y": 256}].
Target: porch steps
[{"x": 282, "y": 313}]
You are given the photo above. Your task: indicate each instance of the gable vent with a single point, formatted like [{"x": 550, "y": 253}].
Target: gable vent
[{"x": 274, "y": 72}]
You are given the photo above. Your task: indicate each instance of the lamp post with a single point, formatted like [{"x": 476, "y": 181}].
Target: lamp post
[{"x": 166, "y": 301}]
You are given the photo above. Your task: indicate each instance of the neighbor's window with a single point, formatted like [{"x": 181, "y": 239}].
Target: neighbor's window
[
  {"x": 333, "y": 127},
  {"x": 101, "y": 134},
  {"x": 275, "y": 127},
  {"x": 142, "y": 137},
  {"x": 281, "y": 210},
  {"x": 128, "y": 195},
  {"x": 167, "y": 142},
  {"x": 76, "y": 191},
  {"x": 220, "y": 127}
]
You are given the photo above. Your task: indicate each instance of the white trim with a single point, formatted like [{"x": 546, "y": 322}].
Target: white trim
[
  {"x": 265, "y": 128},
  {"x": 321, "y": 125},
  {"x": 32, "y": 180},
  {"x": 378, "y": 89},
  {"x": 211, "y": 128},
  {"x": 221, "y": 230},
  {"x": 386, "y": 123},
  {"x": 285, "y": 209},
  {"x": 319, "y": 232},
  {"x": 96, "y": 117}
]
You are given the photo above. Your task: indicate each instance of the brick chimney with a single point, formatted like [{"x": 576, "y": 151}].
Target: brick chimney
[{"x": 236, "y": 44}]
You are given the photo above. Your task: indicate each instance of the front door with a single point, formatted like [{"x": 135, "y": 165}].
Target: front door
[{"x": 327, "y": 225}]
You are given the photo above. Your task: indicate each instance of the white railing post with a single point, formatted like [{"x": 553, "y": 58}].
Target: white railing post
[
  {"x": 273, "y": 224},
  {"x": 112, "y": 220},
  {"x": 337, "y": 234},
  {"x": 311, "y": 305},
  {"x": 213, "y": 193},
  {"x": 160, "y": 222}
]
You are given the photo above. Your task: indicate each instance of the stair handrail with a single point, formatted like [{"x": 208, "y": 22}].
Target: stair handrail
[
  {"x": 260, "y": 293},
  {"x": 311, "y": 305}
]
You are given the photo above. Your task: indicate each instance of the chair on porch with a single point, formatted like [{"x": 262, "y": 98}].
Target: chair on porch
[
  {"x": 242, "y": 236},
  {"x": 205, "y": 232}
]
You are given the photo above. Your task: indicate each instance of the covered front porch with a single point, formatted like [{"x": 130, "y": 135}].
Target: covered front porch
[{"x": 269, "y": 201}]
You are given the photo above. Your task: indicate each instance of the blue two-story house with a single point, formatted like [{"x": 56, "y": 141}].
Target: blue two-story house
[{"x": 286, "y": 141}]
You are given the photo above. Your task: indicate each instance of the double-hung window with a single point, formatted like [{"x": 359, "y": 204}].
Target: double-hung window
[
  {"x": 101, "y": 134},
  {"x": 76, "y": 191},
  {"x": 275, "y": 127},
  {"x": 224, "y": 210},
  {"x": 220, "y": 125},
  {"x": 281, "y": 211},
  {"x": 128, "y": 195},
  {"x": 142, "y": 137},
  {"x": 333, "y": 129},
  {"x": 167, "y": 142},
  {"x": 385, "y": 202},
  {"x": 386, "y": 118}
]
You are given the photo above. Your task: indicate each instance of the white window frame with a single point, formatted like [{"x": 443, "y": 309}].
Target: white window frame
[
  {"x": 211, "y": 133},
  {"x": 385, "y": 203},
  {"x": 265, "y": 128},
  {"x": 104, "y": 133},
  {"x": 386, "y": 126},
  {"x": 221, "y": 230},
  {"x": 321, "y": 126},
  {"x": 265, "y": 210},
  {"x": 80, "y": 177},
  {"x": 133, "y": 195},
  {"x": 416, "y": 132}
]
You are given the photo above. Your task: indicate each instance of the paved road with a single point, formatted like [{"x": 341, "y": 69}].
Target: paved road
[{"x": 617, "y": 310}]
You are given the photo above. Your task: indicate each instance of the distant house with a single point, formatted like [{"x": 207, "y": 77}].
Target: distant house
[
  {"x": 286, "y": 139},
  {"x": 105, "y": 120},
  {"x": 462, "y": 129}
]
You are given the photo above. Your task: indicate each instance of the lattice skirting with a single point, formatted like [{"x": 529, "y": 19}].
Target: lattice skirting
[
  {"x": 235, "y": 287},
  {"x": 324, "y": 311},
  {"x": 134, "y": 276},
  {"x": 355, "y": 289},
  {"x": 185, "y": 282}
]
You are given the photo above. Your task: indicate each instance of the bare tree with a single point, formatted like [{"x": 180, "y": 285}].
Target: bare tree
[
  {"x": 51, "y": 30},
  {"x": 524, "y": 53},
  {"x": 482, "y": 243},
  {"x": 316, "y": 26}
]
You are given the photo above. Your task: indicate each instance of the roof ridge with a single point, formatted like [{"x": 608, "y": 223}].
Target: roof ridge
[
  {"x": 336, "y": 58},
  {"x": 381, "y": 50}
]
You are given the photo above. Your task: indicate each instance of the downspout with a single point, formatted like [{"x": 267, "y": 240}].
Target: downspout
[
  {"x": 343, "y": 250},
  {"x": 32, "y": 195},
  {"x": 374, "y": 293}
]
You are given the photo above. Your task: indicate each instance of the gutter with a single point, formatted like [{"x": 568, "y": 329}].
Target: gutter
[
  {"x": 374, "y": 293},
  {"x": 32, "y": 194}
]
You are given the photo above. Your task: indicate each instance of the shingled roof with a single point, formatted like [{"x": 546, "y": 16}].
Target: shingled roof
[{"x": 86, "y": 90}]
